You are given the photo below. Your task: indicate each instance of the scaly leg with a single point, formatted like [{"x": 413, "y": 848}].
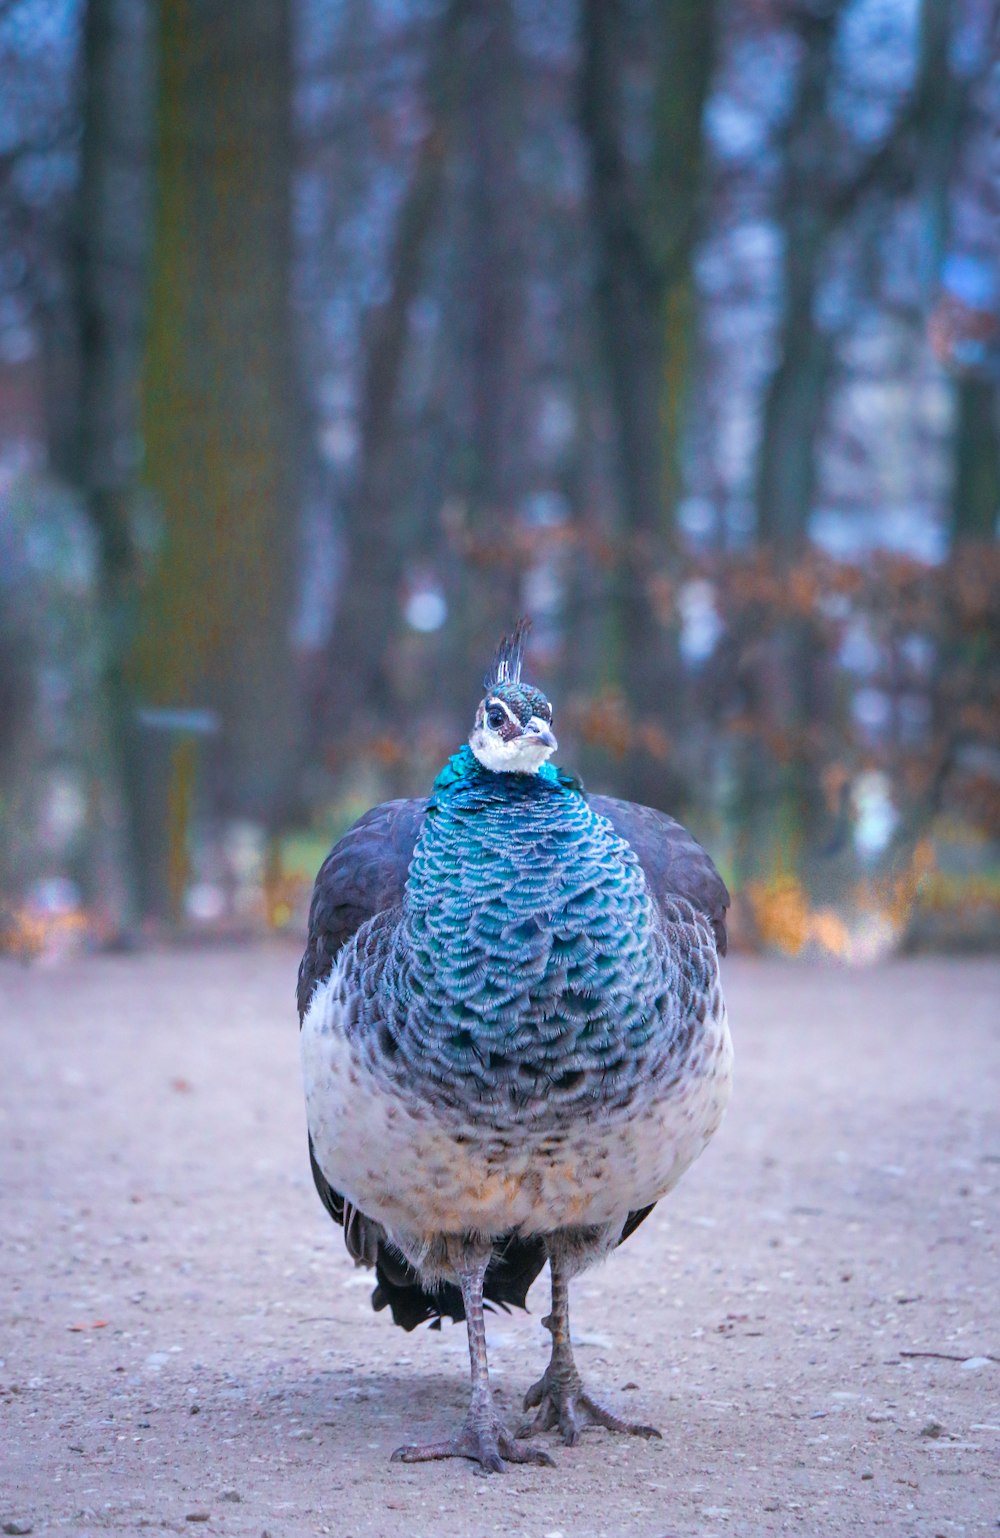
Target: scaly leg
[
  {"x": 559, "y": 1394},
  {"x": 484, "y": 1438}
]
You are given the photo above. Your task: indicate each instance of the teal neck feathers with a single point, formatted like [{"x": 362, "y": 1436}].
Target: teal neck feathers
[{"x": 528, "y": 920}]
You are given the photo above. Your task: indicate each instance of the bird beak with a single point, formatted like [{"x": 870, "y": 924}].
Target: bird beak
[{"x": 537, "y": 731}]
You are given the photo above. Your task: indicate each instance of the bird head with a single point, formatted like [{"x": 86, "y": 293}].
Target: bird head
[{"x": 513, "y": 729}]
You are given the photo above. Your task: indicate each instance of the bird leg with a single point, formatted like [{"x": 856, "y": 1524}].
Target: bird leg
[
  {"x": 559, "y": 1393},
  {"x": 484, "y": 1438}
]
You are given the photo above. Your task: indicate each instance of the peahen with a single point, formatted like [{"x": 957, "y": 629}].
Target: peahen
[{"x": 513, "y": 1042}]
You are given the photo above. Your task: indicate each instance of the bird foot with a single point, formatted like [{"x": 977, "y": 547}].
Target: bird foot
[
  {"x": 562, "y": 1403},
  {"x": 487, "y": 1443}
]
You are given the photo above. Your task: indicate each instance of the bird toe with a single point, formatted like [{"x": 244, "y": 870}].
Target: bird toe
[
  {"x": 566, "y": 1408},
  {"x": 490, "y": 1446}
]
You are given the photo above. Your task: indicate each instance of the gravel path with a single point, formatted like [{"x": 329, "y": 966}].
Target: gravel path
[{"x": 812, "y": 1318}]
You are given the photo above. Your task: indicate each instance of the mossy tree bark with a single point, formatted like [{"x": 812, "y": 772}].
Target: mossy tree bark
[{"x": 220, "y": 416}]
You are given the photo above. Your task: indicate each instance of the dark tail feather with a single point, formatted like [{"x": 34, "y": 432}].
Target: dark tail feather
[
  {"x": 515, "y": 1264},
  {"x": 634, "y": 1219}
]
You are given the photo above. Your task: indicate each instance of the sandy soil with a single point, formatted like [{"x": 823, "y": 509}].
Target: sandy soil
[{"x": 812, "y": 1318}]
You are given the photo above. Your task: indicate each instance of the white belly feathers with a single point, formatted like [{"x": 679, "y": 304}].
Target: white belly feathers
[{"x": 421, "y": 1171}]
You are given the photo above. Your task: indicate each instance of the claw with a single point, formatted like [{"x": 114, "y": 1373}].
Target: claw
[
  {"x": 565, "y": 1406},
  {"x": 491, "y": 1446}
]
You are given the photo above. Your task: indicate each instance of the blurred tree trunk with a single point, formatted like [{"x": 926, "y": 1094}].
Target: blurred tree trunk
[
  {"x": 797, "y": 392},
  {"x": 975, "y": 484},
  {"x": 646, "y": 224},
  {"x": 960, "y": 692},
  {"x": 779, "y": 793},
  {"x": 975, "y": 500},
  {"x": 497, "y": 264},
  {"x": 815, "y": 203},
  {"x": 108, "y": 268},
  {"x": 360, "y": 696},
  {"x": 219, "y": 396}
]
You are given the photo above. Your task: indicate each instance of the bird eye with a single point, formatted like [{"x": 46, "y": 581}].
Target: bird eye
[{"x": 495, "y": 717}]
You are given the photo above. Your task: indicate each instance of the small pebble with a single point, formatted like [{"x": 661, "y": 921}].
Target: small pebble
[
  {"x": 17, "y": 1528},
  {"x": 198, "y": 1516}
]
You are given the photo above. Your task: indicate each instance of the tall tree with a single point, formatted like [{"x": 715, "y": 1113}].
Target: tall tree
[
  {"x": 822, "y": 187},
  {"x": 779, "y": 791},
  {"x": 950, "y": 117},
  {"x": 645, "y": 217},
  {"x": 797, "y": 393},
  {"x": 108, "y": 250},
  {"x": 963, "y": 327},
  {"x": 646, "y": 221},
  {"x": 497, "y": 262},
  {"x": 816, "y": 198},
  {"x": 360, "y": 693},
  {"x": 219, "y": 395}
]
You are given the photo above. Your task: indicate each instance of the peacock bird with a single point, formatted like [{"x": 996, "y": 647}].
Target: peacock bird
[{"x": 513, "y": 1043}]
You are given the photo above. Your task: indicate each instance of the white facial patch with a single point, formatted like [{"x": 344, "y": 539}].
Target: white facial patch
[{"x": 519, "y": 756}]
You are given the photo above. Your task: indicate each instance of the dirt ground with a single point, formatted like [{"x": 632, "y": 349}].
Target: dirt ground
[{"x": 812, "y": 1318}]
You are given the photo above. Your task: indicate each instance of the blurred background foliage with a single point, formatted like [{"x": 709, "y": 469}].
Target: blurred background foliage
[{"x": 334, "y": 334}]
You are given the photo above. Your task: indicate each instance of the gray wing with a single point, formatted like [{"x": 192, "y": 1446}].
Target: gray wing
[
  {"x": 364, "y": 873},
  {"x": 674, "y": 863}
]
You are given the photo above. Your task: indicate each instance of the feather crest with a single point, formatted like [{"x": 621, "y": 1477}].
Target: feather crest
[{"x": 508, "y": 657}]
